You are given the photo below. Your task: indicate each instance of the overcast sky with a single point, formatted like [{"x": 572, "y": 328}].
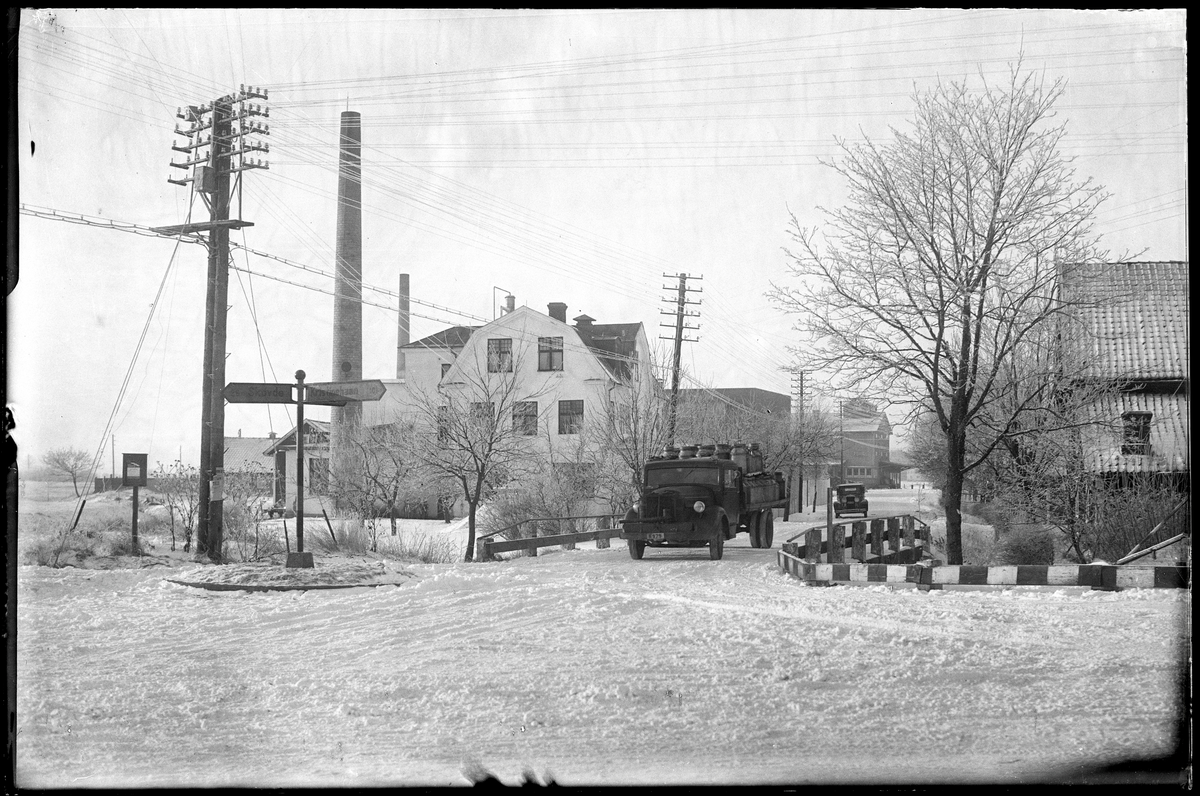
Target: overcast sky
[{"x": 571, "y": 156}]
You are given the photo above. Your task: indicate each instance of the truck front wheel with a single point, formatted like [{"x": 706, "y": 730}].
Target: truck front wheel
[
  {"x": 766, "y": 534},
  {"x": 754, "y": 528},
  {"x": 636, "y": 549},
  {"x": 716, "y": 548}
]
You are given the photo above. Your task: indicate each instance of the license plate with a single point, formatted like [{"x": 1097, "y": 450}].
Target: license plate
[{"x": 657, "y": 537}]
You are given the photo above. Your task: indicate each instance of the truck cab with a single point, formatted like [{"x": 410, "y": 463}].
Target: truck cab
[{"x": 702, "y": 500}]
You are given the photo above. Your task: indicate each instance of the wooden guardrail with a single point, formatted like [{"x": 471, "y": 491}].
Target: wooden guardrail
[
  {"x": 898, "y": 539},
  {"x": 486, "y": 546}
]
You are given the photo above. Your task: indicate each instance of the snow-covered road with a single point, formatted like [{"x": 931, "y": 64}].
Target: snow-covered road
[{"x": 589, "y": 665}]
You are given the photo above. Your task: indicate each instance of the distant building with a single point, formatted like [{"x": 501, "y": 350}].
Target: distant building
[
  {"x": 864, "y": 454},
  {"x": 1135, "y": 316}
]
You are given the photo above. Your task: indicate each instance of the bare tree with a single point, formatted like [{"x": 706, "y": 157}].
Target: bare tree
[
  {"x": 381, "y": 472},
  {"x": 629, "y": 428},
  {"x": 945, "y": 263},
  {"x": 180, "y": 488},
  {"x": 71, "y": 461},
  {"x": 466, "y": 431}
]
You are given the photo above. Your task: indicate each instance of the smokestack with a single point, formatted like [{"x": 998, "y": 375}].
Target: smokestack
[
  {"x": 510, "y": 303},
  {"x": 402, "y": 329},
  {"x": 347, "y": 283},
  {"x": 558, "y": 311}
]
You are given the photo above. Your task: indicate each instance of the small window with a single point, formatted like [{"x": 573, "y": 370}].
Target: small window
[
  {"x": 550, "y": 353},
  {"x": 499, "y": 352},
  {"x": 483, "y": 414},
  {"x": 525, "y": 414},
  {"x": 445, "y": 369},
  {"x": 1135, "y": 440},
  {"x": 570, "y": 417}
]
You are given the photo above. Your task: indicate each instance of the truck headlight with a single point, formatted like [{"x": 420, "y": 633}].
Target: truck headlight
[{"x": 698, "y": 506}]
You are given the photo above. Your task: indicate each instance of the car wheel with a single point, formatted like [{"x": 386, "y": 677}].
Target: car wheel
[
  {"x": 754, "y": 526},
  {"x": 716, "y": 548},
  {"x": 637, "y": 549},
  {"x": 767, "y": 534}
]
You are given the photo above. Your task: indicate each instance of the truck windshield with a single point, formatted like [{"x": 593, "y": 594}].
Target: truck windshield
[{"x": 673, "y": 476}]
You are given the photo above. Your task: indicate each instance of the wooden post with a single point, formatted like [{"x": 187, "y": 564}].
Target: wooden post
[
  {"x": 877, "y": 537},
  {"x": 532, "y": 535},
  {"x": 812, "y": 545},
  {"x": 604, "y": 523},
  {"x": 909, "y": 531},
  {"x": 893, "y": 533},
  {"x": 837, "y": 545},
  {"x": 858, "y": 541},
  {"x": 136, "y": 550}
]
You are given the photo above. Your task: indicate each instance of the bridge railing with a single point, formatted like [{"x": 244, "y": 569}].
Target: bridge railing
[
  {"x": 487, "y": 545},
  {"x": 897, "y": 539}
]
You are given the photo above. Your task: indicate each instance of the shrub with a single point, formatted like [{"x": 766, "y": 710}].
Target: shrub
[{"x": 1028, "y": 544}]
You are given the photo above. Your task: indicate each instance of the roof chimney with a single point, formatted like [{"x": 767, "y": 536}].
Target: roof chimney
[
  {"x": 510, "y": 304},
  {"x": 584, "y": 322},
  {"x": 558, "y": 311}
]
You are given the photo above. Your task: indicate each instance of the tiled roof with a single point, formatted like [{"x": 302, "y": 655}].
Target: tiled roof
[
  {"x": 753, "y": 398},
  {"x": 1169, "y": 430},
  {"x": 247, "y": 453},
  {"x": 1135, "y": 318},
  {"x": 614, "y": 344}
]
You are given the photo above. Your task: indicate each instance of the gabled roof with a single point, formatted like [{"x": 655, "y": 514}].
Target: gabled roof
[
  {"x": 1135, "y": 317},
  {"x": 247, "y": 453},
  {"x": 453, "y": 337},
  {"x": 288, "y": 440}
]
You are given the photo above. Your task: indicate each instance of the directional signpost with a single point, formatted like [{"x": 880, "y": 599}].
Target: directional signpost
[{"x": 330, "y": 393}]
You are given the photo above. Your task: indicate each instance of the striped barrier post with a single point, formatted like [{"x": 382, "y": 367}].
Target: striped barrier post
[
  {"x": 858, "y": 541},
  {"x": 893, "y": 534}
]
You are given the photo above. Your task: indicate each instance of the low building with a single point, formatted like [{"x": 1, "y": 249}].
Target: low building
[{"x": 1135, "y": 318}]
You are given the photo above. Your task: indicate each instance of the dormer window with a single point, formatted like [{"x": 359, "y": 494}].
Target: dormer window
[{"x": 1135, "y": 435}]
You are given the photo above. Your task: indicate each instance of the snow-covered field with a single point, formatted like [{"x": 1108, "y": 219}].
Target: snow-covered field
[{"x": 589, "y": 666}]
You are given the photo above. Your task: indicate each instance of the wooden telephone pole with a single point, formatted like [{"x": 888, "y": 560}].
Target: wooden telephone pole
[
  {"x": 229, "y": 120},
  {"x": 680, "y": 313}
]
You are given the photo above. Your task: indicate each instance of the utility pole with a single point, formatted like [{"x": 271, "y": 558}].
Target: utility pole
[
  {"x": 230, "y": 120},
  {"x": 680, "y": 313}
]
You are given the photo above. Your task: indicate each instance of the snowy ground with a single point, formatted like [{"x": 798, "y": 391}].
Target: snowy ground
[{"x": 589, "y": 666}]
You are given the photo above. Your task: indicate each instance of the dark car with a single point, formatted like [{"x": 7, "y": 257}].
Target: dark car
[{"x": 851, "y": 499}]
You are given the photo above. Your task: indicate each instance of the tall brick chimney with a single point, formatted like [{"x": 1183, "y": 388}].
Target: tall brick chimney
[
  {"x": 558, "y": 311},
  {"x": 347, "y": 283},
  {"x": 403, "y": 327}
]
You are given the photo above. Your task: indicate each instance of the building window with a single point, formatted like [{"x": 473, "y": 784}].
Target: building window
[
  {"x": 860, "y": 471},
  {"x": 570, "y": 417},
  {"x": 483, "y": 415},
  {"x": 317, "y": 477},
  {"x": 499, "y": 353},
  {"x": 550, "y": 353},
  {"x": 443, "y": 423},
  {"x": 525, "y": 414},
  {"x": 1135, "y": 439}
]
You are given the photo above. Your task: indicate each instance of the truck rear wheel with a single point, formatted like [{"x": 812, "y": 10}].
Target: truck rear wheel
[
  {"x": 636, "y": 549},
  {"x": 716, "y": 548},
  {"x": 767, "y": 534},
  {"x": 754, "y": 528}
]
